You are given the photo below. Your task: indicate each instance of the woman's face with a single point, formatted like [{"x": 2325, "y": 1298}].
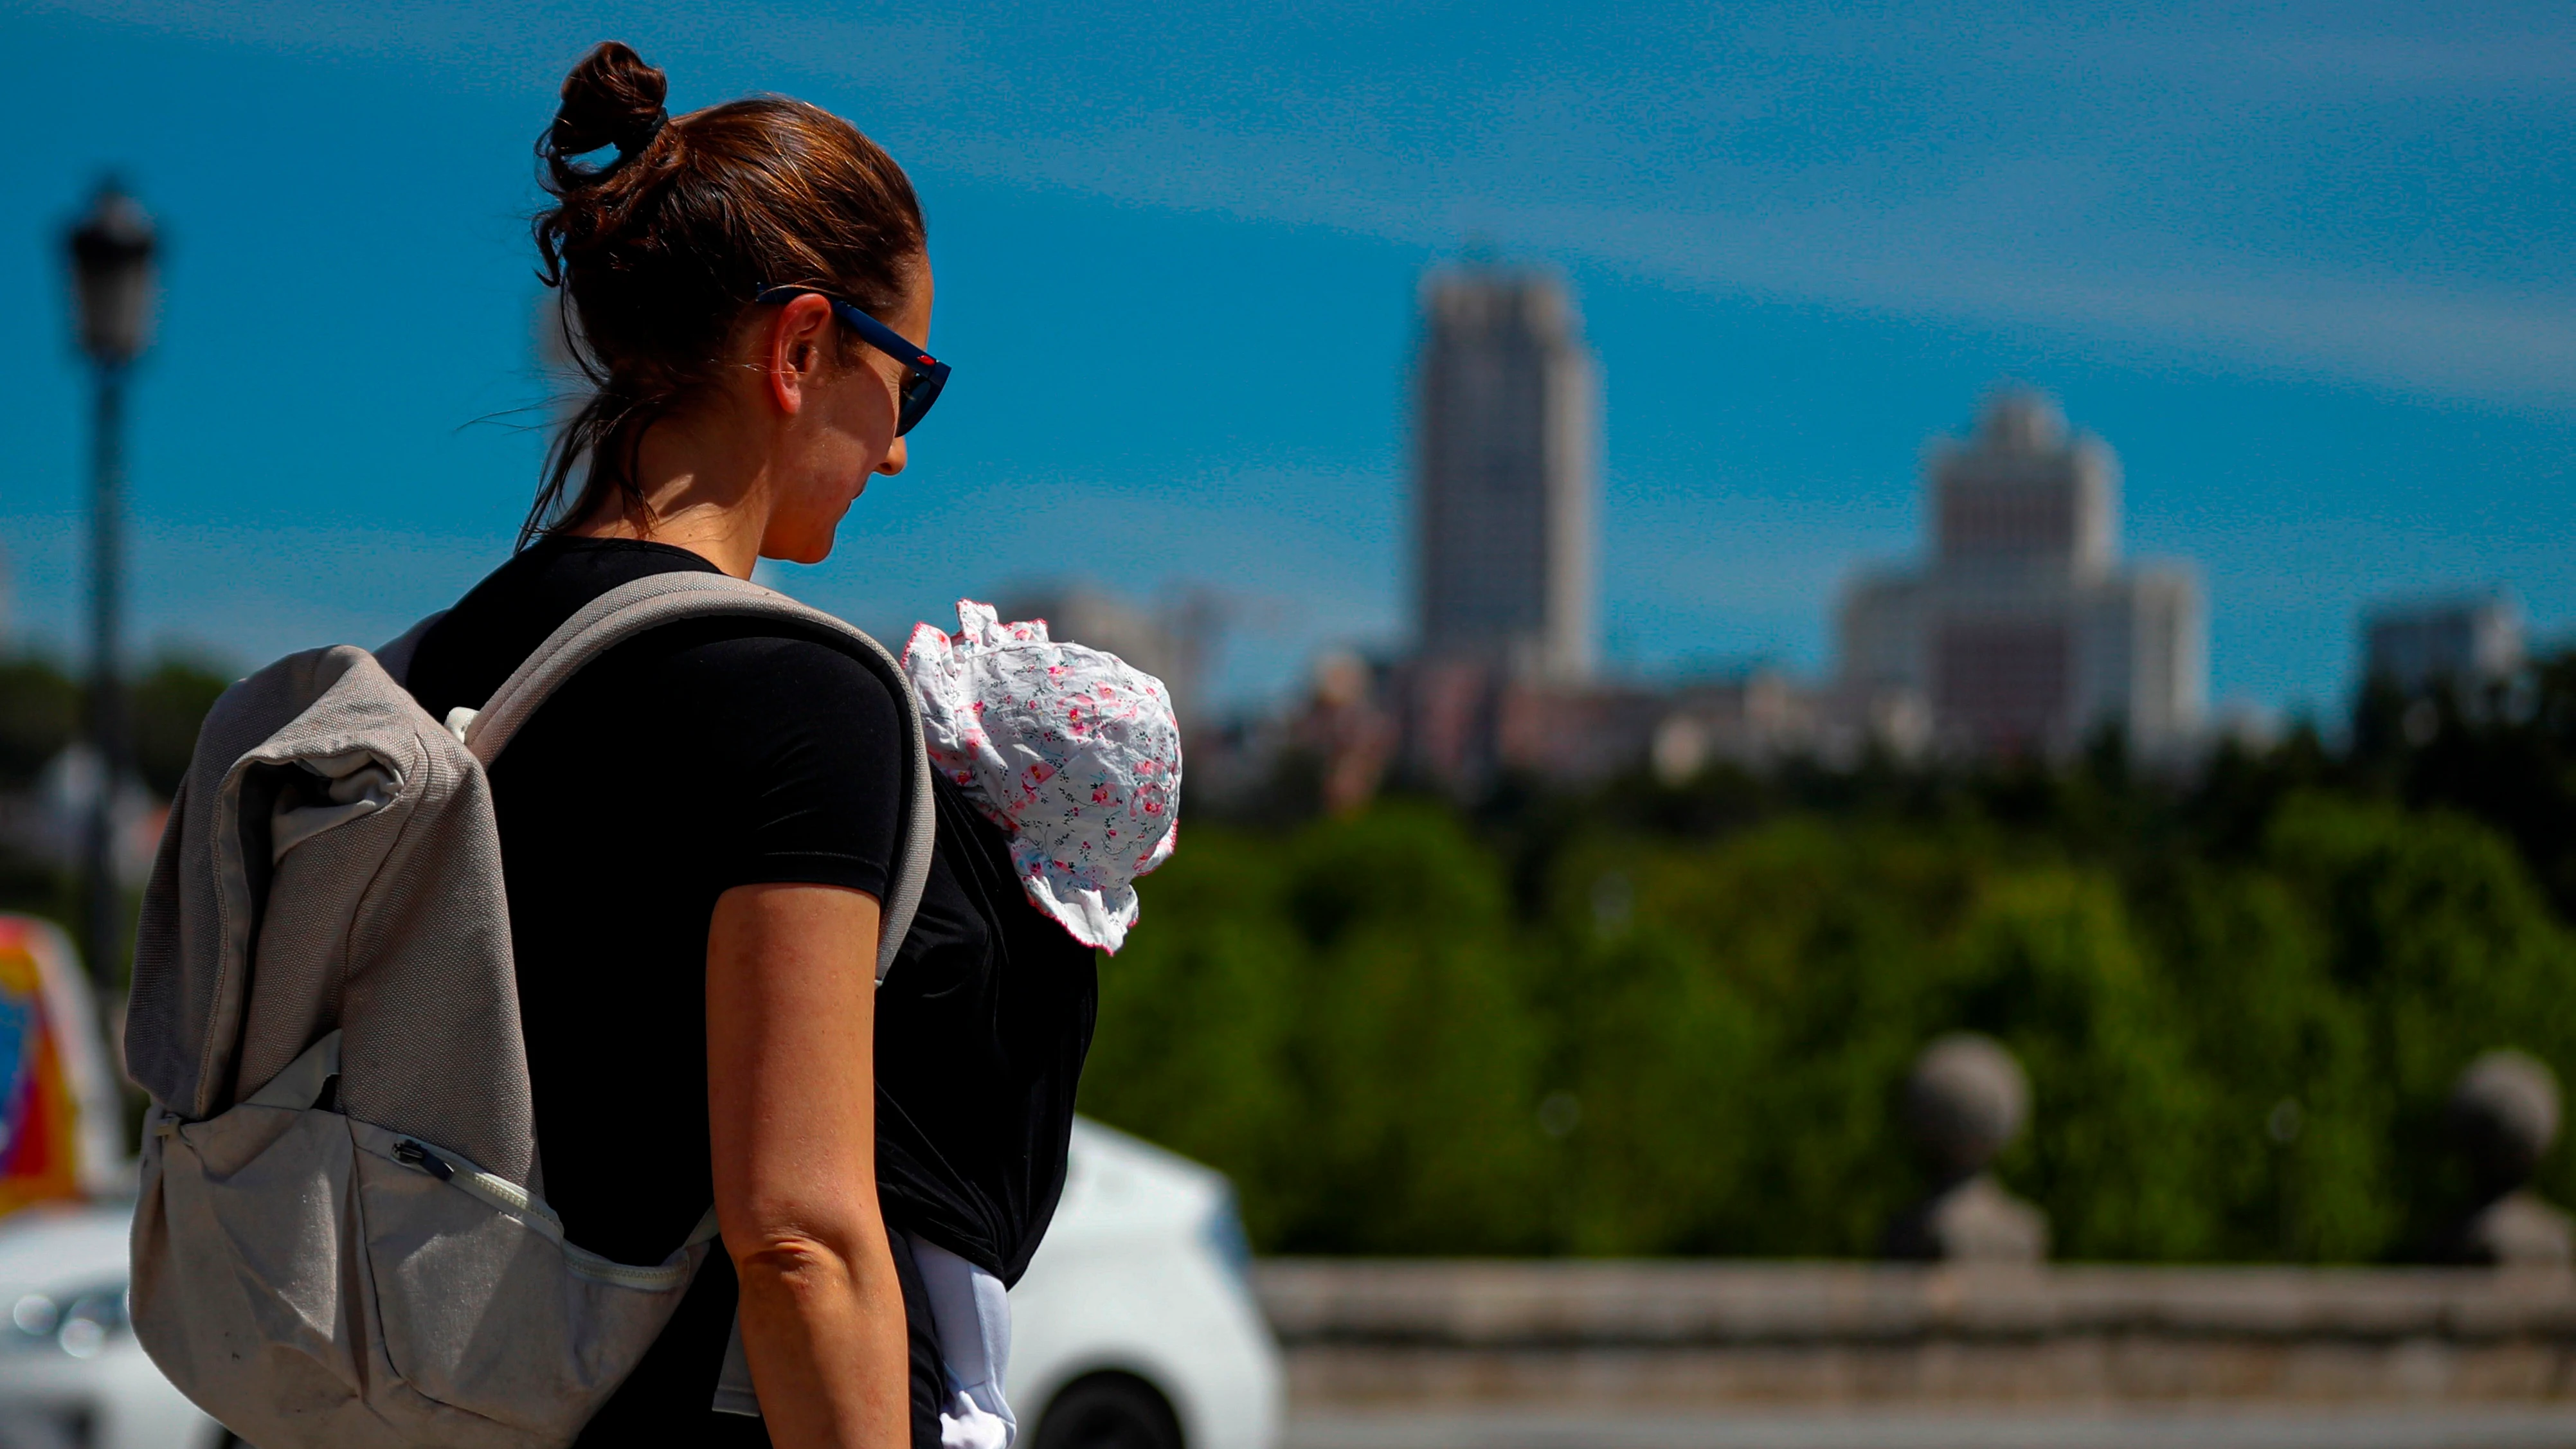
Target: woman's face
[{"x": 843, "y": 436}]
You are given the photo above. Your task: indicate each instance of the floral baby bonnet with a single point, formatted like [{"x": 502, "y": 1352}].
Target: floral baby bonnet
[{"x": 1072, "y": 750}]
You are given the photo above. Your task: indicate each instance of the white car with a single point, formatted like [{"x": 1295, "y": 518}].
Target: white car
[{"x": 1135, "y": 1327}]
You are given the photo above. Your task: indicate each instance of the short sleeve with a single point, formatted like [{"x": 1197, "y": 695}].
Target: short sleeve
[{"x": 806, "y": 759}]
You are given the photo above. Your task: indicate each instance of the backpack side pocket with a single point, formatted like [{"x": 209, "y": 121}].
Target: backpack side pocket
[{"x": 484, "y": 1306}]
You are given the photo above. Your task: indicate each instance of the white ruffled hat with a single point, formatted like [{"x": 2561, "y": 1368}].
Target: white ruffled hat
[{"x": 1072, "y": 750}]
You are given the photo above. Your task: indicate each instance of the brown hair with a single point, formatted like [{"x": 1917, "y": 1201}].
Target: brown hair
[{"x": 659, "y": 251}]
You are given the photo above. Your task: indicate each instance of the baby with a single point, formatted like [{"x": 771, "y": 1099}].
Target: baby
[{"x": 1072, "y": 750}]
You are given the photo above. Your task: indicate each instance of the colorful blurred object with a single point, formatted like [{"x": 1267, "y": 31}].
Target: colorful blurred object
[{"x": 59, "y": 1126}]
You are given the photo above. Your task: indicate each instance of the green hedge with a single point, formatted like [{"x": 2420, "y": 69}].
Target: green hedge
[{"x": 1398, "y": 1041}]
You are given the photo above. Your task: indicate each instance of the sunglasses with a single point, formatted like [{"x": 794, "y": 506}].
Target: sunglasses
[{"x": 923, "y": 374}]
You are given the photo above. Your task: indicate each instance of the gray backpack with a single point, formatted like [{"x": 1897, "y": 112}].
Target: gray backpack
[{"x": 343, "y": 1238}]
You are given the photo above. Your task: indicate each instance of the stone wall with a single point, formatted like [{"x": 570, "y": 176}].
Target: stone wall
[{"x": 1678, "y": 1336}]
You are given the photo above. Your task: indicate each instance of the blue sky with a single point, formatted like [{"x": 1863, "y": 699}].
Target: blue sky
[{"x": 2304, "y": 266}]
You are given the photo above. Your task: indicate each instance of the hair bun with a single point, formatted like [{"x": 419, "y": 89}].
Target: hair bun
[{"x": 612, "y": 98}]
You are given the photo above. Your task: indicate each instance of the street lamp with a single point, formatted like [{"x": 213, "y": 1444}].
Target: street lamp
[{"x": 111, "y": 255}]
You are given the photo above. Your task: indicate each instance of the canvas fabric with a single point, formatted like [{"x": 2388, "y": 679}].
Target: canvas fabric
[{"x": 342, "y": 1237}]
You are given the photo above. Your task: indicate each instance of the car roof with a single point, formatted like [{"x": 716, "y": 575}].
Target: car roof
[{"x": 70, "y": 1245}]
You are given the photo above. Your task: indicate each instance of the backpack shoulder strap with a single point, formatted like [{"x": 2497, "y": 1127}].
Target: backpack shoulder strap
[{"x": 633, "y": 608}]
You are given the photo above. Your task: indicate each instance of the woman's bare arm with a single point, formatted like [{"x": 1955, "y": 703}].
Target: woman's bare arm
[{"x": 791, "y": 1094}]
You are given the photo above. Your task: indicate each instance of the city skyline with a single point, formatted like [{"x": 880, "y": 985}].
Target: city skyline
[{"x": 2345, "y": 392}]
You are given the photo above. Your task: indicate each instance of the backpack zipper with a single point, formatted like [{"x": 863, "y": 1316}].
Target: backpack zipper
[
  {"x": 412, "y": 1154},
  {"x": 497, "y": 1192},
  {"x": 502, "y": 1193}
]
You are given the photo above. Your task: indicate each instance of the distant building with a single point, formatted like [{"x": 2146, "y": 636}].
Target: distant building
[
  {"x": 1346, "y": 730},
  {"x": 2024, "y": 632},
  {"x": 1753, "y": 720},
  {"x": 1505, "y": 474},
  {"x": 1464, "y": 722},
  {"x": 2418, "y": 645}
]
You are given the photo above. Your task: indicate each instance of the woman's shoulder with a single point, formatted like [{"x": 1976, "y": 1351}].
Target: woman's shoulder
[
  {"x": 755, "y": 680},
  {"x": 801, "y": 746},
  {"x": 774, "y": 658}
]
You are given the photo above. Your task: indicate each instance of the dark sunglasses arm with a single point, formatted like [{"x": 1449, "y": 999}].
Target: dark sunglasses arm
[
  {"x": 875, "y": 333},
  {"x": 885, "y": 339}
]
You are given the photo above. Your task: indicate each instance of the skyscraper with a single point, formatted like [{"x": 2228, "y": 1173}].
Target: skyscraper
[
  {"x": 1504, "y": 474},
  {"x": 2024, "y": 631}
]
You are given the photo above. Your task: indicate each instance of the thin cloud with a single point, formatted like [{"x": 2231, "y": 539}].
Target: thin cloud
[
  {"x": 2093, "y": 173},
  {"x": 2515, "y": 346}
]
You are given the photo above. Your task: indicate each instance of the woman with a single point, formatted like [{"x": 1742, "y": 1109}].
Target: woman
[{"x": 696, "y": 831}]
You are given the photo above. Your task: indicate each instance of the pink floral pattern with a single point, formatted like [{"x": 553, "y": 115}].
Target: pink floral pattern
[{"x": 1072, "y": 750}]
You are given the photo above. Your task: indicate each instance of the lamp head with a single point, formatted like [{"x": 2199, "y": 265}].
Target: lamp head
[{"x": 111, "y": 253}]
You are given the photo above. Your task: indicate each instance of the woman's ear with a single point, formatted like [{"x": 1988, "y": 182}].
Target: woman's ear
[{"x": 798, "y": 337}]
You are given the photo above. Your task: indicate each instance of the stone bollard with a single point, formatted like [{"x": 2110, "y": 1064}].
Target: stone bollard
[
  {"x": 2503, "y": 1115},
  {"x": 1965, "y": 1101}
]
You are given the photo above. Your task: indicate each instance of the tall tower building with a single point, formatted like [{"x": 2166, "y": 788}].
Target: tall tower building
[
  {"x": 2024, "y": 631},
  {"x": 1504, "y": 474}
]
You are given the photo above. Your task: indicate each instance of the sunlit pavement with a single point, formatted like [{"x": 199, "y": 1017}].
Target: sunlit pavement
[{"x": 2499, "y": 1428}]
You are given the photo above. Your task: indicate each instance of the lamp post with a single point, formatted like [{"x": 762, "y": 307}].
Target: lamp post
[{"x": 111, "y": 256}]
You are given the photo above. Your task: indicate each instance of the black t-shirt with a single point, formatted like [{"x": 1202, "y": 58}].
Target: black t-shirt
[{"x": 702, "y": 756}]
